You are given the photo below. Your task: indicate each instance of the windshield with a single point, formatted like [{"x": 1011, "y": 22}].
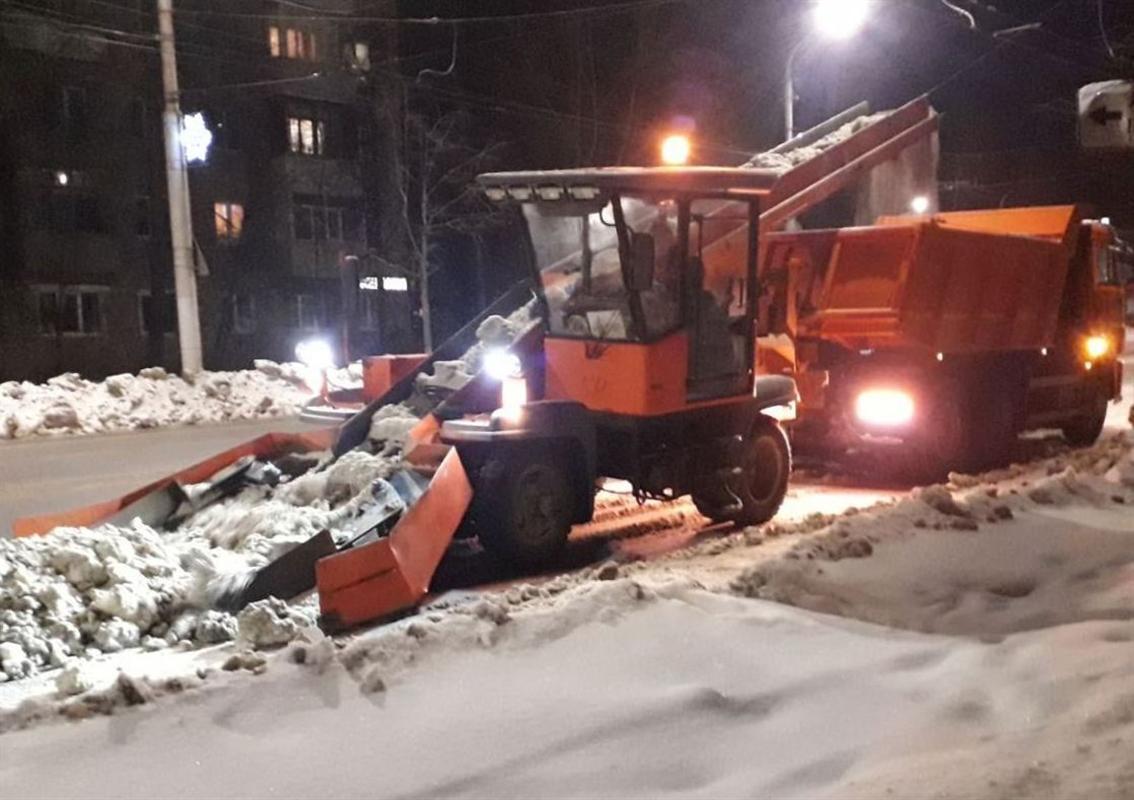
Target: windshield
[{"x": 584, "y": 277}]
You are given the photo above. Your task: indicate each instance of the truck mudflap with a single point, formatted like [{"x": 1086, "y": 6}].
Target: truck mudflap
[{"x": 391, "y": 575}]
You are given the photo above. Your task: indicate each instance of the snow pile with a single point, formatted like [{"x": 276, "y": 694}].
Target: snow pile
[
  {"x": 783, "y": 162},
  {"x": 78, "y": 593},
  {"x": 68, "y": 404}
]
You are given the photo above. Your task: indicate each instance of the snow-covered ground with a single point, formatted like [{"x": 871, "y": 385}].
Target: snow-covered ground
[
  {"x": 968, "y": 640},
  {"x": 69, "y": 404},
  {"x": 971, "y": 640}
]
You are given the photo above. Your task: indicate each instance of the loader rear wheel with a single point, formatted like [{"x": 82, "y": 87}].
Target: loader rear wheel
[
  {"x": 767, "y": 470},
  {"x": 764, "y": 467},
  {"x": 1085, "y": 429},
  {"x": 527, "y": 517}
]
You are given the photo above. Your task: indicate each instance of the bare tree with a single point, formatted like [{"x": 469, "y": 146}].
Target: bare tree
[{"x": 438, "y": 165}]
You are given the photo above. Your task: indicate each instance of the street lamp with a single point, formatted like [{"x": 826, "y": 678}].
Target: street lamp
[
  {"x": 834, "y": 20},
  {"x": 676, "y": 149}
]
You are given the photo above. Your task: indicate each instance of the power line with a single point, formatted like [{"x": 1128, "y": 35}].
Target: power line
[{"x": 323, "y": 14}]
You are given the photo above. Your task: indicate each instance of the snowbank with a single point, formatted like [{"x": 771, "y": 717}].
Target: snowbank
[
  {"x": 68, "y": 404},
  {"x": 78, "y": 593}
]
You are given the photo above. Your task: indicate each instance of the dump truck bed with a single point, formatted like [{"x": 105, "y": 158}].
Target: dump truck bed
[{"x": 959, "y": 283}]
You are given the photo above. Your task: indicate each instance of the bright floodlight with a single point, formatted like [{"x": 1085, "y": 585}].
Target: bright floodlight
[
  {"x": 196, "y": 138},
  {"x": 676, "y": 149},
  {"x": 840, "y": 19},
  {"x": 315, "y": 353},
  {"x": 500, "y": 364},
  {"x": 920, "y": 204}
]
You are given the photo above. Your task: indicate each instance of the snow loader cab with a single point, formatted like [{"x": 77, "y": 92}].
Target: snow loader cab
[{"x": 646, "y": 372}]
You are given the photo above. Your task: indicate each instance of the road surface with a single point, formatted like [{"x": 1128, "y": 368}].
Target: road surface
[{"x": 46, "y": 475}]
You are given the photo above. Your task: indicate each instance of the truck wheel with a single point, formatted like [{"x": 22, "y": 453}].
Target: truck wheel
[
  {"x": 1086, "y": 428},
  {"x": 766, "y": 471},
  {"x": 526, "y": 516}
]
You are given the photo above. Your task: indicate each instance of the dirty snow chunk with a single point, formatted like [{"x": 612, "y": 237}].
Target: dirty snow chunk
[
  {"x": 446, "y": 375},
  {"x": 354, "y": 474},
  {"x": 14, "y": 661},
  {"x": 271, "y": 623},
  {"x": 116, "y": 634},
  {"x": 392, "y": 423},
  {"x": 496, "y": 331},
  {"x": 74, "y": 679},
  {"x": 215, "y": 627},
  {"x": 61, "y": 415}
]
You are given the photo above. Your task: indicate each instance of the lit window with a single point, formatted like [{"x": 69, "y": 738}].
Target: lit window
[
  {"x": 306, "y": 136},
  {"x": 229, "y": 218},
  {"x": 395, "y": 284},
  {"x": 292, "y": 43},
  {"x": 360, "y": 55}
]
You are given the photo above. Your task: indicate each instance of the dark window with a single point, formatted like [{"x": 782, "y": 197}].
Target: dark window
[
  {"x": 147, "y": 318},
  {"x": 69, "y": 212},
  {"x": 75, "y": 311},
  {"x": 308, "y": 312},
  {"x": 333, "y": 222},
  {"x": 48, "y": 311}
]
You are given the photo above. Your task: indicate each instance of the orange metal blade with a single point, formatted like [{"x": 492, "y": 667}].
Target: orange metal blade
[
  {"x": 391, "y": 575},
  {"x": 270, "y": 445}
]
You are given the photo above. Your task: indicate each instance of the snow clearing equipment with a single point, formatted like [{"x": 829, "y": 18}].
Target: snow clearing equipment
[
  {"x": 951, "y": 333},
  {"x": 644, "y": 369}
]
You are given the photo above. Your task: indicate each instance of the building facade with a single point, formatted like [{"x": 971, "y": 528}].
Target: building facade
[{"x": 296, "y": 202}]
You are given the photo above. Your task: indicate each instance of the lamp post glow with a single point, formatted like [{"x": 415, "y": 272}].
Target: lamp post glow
[
  {"x": 676, "y": 150},
  {"x": 196, "y": 138},
  {"x": 835, "y": 20},
  {"x": 840, "y": 19},
  {"x": 920, "y": 204}
]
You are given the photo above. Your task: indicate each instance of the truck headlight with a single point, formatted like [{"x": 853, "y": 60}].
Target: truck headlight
[
  {"x": 884, "y": 408},
  {"x": 1096, "y": 347}
]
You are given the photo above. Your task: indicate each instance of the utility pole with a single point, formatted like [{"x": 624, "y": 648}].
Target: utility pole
[{"x": 180, "y": 219}]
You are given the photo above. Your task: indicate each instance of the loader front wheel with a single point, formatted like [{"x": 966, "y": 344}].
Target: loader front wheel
[
  {"x": 767, "y": 470},
  {"x": 526, "y": 517}
]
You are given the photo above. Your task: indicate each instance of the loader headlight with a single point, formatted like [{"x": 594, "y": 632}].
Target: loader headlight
[
  {"x": 315, "y": 353},
  {"x": 884, "y": 408},
  {"x": 1096, "y": 347},
  {"x": 501, "y": 364},
  {"x": 513, "y": 398}
]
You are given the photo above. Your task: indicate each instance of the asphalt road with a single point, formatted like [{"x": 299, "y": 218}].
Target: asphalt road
[{"x": 47, "y": 475}]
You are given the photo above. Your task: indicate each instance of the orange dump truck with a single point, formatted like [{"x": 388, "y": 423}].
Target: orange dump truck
[{"x": 954, "y": 332}]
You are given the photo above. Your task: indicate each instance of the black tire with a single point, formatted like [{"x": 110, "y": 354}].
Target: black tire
[
  {"x": 767, "y": 471},
  {"x": 524, "y": 516},
  {"x": 1085, "y": 429}
]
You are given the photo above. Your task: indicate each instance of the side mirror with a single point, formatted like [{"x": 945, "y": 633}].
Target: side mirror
[{"x": 642, "y": 258}]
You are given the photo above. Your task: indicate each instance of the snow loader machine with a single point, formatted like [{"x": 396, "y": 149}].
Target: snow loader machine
[{"x": 641, "y": 368}]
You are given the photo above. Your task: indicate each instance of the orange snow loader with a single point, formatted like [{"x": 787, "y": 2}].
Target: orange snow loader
[{"x": 642, "y": 367}]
